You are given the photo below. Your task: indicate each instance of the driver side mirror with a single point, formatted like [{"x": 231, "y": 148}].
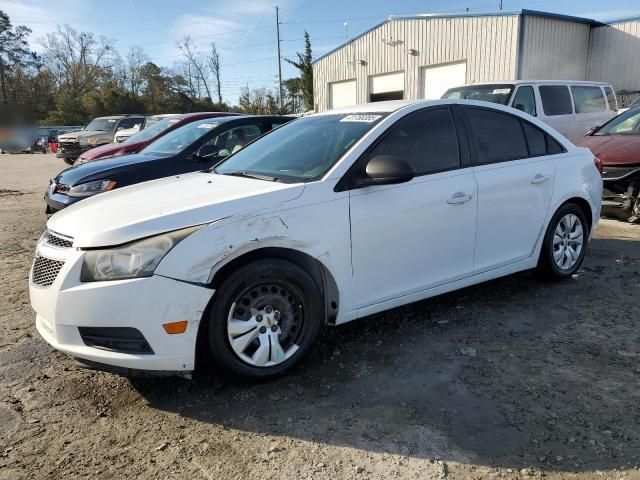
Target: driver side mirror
[
  {"x": 207, "y": 151},
  {"x": 387, "y": 170}
]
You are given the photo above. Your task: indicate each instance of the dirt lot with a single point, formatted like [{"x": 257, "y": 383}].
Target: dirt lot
[{"x": 510, "y": 379}]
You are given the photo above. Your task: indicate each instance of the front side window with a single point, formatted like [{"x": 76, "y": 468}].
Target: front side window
[
  {"x": 426, "y": 140},
  {"x": 181, "y": 138},
  {"x": 233, "y": 140},
  {"x": 555, "y": 100},
  {"x": 525, "y": 100},
  {"x": 588, "y": 99},
  {"x": 499, "y": 135},
  {"x": 302, "y": 150},
  {"x": 494, "y": 93}
]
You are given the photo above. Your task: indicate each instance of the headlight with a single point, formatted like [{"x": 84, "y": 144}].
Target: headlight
[
  {"x": 91, "y": 188},
  {"x": 134, "y": 260},
  {"x": 83, "y": 141}
]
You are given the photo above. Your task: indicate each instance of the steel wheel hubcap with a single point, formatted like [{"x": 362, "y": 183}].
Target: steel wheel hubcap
[
  {"x": 568, "y": 239},
  {"x": 264, "y": 324}
]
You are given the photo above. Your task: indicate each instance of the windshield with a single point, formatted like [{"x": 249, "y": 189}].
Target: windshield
[
  {"x": 151, "y": 130},
  {"x": 302, "y": 150},
  {"x": 102, "y": 125},
  {"x": 495, "y": 93},
  {"x": 181, "y": 138},
  {"x": 624, "y": 124}
]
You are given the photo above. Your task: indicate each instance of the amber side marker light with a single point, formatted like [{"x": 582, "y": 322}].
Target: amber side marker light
[{"x": 174, "y": 328}]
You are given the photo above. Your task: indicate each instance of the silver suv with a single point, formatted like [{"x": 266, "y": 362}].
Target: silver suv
[{"x": 99, "y": 132}]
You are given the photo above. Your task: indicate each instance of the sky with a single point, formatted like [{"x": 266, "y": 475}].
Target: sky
[{"x": 245, "y": 30}]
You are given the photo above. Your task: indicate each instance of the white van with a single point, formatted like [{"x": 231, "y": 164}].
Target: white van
[{"x": 571, "y": 107}]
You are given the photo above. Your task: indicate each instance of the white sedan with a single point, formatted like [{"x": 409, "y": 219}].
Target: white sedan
[{"x": 332, "y": 217}]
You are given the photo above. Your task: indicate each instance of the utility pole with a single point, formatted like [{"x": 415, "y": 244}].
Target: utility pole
[{"x": 279, "y": 59}]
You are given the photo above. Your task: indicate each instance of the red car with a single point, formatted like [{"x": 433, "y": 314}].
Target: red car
[
  {"x": 137, "y": 142},
  {"x": 617, "y": 145}
]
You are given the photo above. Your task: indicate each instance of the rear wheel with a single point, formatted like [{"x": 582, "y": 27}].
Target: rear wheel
[
  {"x": 564, "y": 243},
  {"x": 265, "y": 318}
]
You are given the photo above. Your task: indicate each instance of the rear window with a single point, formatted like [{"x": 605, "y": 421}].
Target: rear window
[
  {"x": 555, "y": 100},
  {"x": 611, "y": 98},
  {"x": 588, "y": 99}
]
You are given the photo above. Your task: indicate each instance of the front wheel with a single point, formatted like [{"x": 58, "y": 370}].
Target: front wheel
[
  {"x": 265, "y": 318},
  {"x": 68, "y": 161},
  {"x": 564, "y": 243}
]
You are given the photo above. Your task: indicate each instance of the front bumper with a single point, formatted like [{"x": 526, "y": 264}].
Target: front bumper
[
  {"x": 71, "y": 150},
  {"x": 144, "y": 304},
  {"x": 57, "y": 201}
]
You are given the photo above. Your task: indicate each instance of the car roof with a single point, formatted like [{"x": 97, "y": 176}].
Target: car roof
[{"x": 537, "y": 82}]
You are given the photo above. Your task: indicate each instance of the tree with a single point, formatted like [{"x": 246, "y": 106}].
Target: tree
[
  {"x": 259, "y": 101},
  {"x": 14, "y": 51},
  {"x": 293, "y": 98},
  {"x": 306, "y": 72},
  {"x": 195, "y": 62},
  {"x": 214, "y": 65},
  {"x": 135, "y": 61},
  {"x": 77, "y": 59}
]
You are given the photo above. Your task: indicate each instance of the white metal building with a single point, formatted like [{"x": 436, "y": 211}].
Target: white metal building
[{"x": 422, "y": 56}]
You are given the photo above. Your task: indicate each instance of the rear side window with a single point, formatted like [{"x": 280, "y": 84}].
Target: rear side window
[
  {"x": 525, "y": 100},
  {"x": 535, "y": 139},
  {"x": 555, "y": 100},
  {"x": 553, "y": 146},
  {"x": 426, "y": 140},
  {"x": 499, "y": 136},
  {"x": 588, "y": 99},
  {"x": 611, "y": 98}
]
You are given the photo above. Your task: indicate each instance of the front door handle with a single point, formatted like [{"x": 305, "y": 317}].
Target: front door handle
[
  {"x": 539, "y": 178},
  {"x": 459, "y": 198}
]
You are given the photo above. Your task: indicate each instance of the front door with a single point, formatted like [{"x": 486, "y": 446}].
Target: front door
[{"x": 412, "y": 236}]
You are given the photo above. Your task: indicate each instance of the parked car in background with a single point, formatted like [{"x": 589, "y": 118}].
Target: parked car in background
[
  {"x": 99, "y": 132},
  {"x": 149, "y": 134},
  {"x": 124, "y": 135},
  {"x": 327, "y": 219},
  {"x": 196, "y": 145},
  {"x": 571, "y": 107},
  {"x": 617, "y": 145}
]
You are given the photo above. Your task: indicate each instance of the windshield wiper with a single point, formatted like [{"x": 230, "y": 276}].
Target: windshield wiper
[{"x": 243, "y": 173}]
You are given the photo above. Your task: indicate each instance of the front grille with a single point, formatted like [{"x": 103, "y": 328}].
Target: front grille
[
  {"x": 45, "y": 270},
  {"x": 613, "y": 173},
  {"x": 115, "y": 339},
  {"x": 54, "y": 240}
]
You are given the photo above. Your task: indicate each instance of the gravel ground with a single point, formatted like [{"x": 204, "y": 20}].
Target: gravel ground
[{"x": 509, "y": 379}]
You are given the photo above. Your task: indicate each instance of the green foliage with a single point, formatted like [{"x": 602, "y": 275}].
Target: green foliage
[{"x": 306, "y": 72}]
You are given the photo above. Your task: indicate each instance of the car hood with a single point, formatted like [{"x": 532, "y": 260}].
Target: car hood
[
  {"x": 80, "y": 133},
  {"x": 112, "y": 149},
  {"x": 86, "y": 172},
  {"x": 613, "y": 149},
  {"x": 159, "y": 206}
]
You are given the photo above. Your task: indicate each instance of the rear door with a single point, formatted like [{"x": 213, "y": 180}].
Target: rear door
[
  {"x": 415, "y": 235},
  {"x": 515, "y": 180}
]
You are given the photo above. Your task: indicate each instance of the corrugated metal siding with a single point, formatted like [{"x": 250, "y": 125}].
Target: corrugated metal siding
[
  {"x": 615, "y": 55},
  {"x": 487, "y": 44},
  {"x": 554, "y": 49}
]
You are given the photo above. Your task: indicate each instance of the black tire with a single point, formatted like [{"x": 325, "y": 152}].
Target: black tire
[
  {"x": 279, "y": 276},
  {"x": 68, "y": 161},
  {"x": 547, "y": 268}
]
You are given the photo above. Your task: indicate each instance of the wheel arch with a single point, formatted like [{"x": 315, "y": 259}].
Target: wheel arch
[
  {"x": 314, "y": 267},
  {"x": 584, "y": 205}
]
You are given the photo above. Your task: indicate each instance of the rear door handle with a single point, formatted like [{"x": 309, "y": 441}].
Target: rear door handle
[
  {"x": 539, "y": 178},
  {"x": 459, "y": 198}
]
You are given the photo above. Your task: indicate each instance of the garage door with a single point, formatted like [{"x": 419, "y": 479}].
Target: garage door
[
  {"x": 386, "y": 87},
  {"x": 342, "y": 94},
  {"x": 438, "y": 79}
]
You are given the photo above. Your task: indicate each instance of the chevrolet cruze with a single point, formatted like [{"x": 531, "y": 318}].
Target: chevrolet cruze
[{"x": 327, "y": 219}]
